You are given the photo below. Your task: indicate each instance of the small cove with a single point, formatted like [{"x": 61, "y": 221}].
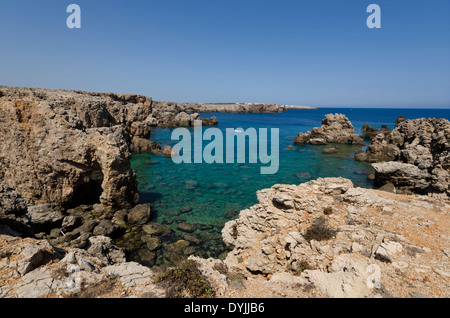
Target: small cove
[{"x": 205, "y": 196}]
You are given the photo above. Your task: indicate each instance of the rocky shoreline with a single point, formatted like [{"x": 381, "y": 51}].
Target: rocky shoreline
[
  {"x": 218, "y": 108},
  {"x": 71, "y": 225},
  {"x": 323, "y": 238},
  {"x": 414, "y": 157}
]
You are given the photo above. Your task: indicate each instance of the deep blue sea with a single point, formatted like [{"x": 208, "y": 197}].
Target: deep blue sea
[{"x": 209, "y": 191}]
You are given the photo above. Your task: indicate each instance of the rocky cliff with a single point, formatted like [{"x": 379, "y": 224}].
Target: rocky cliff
[
  {"x": 52, "y": 142},
  {"x": 71, "y": 147}
]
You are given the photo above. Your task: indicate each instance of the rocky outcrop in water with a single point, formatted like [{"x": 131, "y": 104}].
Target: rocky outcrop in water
[
  {"x": 414, "y": 156},
  {"x": 370, "y": 132},
  {"x": 335, "y": 128}
]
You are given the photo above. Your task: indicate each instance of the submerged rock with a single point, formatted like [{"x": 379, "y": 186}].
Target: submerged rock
[
  {"x": 185, "y": 209},
  {"x": 157, "y": 229},
  {"x": 330, "y": 150},
  {"x": 186, "y": 227}
]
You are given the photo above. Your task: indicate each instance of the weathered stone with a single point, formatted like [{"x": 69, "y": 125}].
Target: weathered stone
[
  {"x": 157, "y": 229},
  {"x": 334, "y": 129},
  {"x": 140, "y": 214},
  {"x": 108, "y": 228},
  {"x": 102, "y": 248},
  {"x": 423, "y": 143},
  {"x": 186, "y": 227},
  {"x": 13, "y": 209},
  {"x": 45, "y": 217},
  {"x": 141, "y": 145},
  {"x": 53, "y": 146},
  {"x": 401, "y": 175},
  {"x": 71, "y": 222}
]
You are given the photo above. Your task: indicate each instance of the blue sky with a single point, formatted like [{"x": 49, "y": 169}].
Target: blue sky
[{"x": 317, "y": 53}]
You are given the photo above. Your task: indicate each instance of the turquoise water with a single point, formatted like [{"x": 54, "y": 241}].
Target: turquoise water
[{"x": 211, "y": 193}]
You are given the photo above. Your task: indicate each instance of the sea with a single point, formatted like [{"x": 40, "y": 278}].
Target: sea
[{"x": 208, "y": 195}]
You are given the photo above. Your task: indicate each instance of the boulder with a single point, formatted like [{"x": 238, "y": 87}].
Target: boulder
[
  {"x": 152, "y": 242},
  {"x": 103, "y": 248},
  {"x": 401, "y": 175},
  {"x": 186, "y": 227},
  {"x": 142, "y": 145},
  {"x": 108, "y": 228},
  {"x": 71, "y": 222},
  {"x": 45, "y": 217},
  {"x": 330, "y": 150},
  {"x": 140, "y": 214},
  {"x": 157, "y": 229},
  {"x": 168, "y": 152}
]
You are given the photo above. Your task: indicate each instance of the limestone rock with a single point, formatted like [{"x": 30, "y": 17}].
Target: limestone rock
[
  {"x": 45, "y": 217},
  {"x": 103, "y": 248},
  {"x": 140, "y": 214},
  {"x": 13, "y": 210},
  {"x": 142, "y": 145},
  {"x": 401, "y": 175},
  {"x": 423, "y": 143},
  {"x": 357, "y": 251},
  {"x": 335, "y": 128}
]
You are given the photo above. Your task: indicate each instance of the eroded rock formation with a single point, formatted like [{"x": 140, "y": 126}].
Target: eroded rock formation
[
  {"x": 72, "y": 147},
  {"x": 331, "y": 235},
  {"x": 335, "y": 128},
  {"x": 52, "y": 142},
  {"x": 415, "y": 155}
]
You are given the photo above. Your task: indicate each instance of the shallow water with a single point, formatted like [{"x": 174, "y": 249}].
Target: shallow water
[{"x": 208, "y": 195}]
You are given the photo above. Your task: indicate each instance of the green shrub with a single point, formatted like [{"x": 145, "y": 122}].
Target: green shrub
[
  {"x": 328, "y": 210},
  {"x": 319, "y": 231},
  {"x": 299, "y": 267},
  {"x": 186, "y": 281}
]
